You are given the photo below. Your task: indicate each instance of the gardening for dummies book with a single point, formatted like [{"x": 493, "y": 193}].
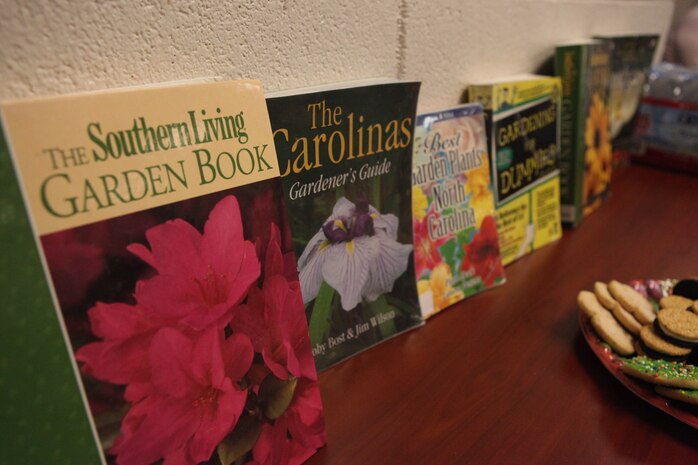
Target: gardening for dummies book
[{"x": 522, "y": 114}]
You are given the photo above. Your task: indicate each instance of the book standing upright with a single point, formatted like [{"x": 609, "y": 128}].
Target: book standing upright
[
  {"x": 178, "y": 331},
  {"x": 455, "y": 231},
  {"x": 345, "y": 155},
  {"x": 586, "y": 151},
  {"x": 523, "y": 121}
]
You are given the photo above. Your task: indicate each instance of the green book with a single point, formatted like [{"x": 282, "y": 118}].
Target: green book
[
  {"x": 585, "y": 141},
  {"x": 43, "y": 412}
]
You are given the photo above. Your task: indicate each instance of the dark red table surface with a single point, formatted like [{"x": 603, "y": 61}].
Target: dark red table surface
[{"x": 506, "y": 376}]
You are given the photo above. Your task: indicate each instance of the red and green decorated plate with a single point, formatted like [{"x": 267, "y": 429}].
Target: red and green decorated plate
[{"x": 613, "y": 362}]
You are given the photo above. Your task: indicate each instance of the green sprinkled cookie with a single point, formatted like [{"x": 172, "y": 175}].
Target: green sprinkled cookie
[
  {"x": 673, "y": 374},
  {"x": 684, "y": 395}
]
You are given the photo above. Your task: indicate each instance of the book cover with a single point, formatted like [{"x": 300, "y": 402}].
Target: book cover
[
  {"x": 586, "y": 151},
  {"x": 345, "y": 157},
  {"x": 630, "y": 64},
  {"x": 523, "y": 126},
  {"x": 169, "y": 324},
  {"x": 455, "y": 232}
]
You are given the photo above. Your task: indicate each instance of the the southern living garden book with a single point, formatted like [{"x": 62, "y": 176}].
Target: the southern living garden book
[
  {"x": 523, "y": 121},
  {"x": 159, "y": 220},
  {"x": 630, "y": 62},
  {"x": 456, "y": 245},
  {"x": 586, "y": 152},
  {"x": 345, "y": 155}
]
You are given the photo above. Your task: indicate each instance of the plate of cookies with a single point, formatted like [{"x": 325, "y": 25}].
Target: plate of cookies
[{"x": 646, "y": 334}]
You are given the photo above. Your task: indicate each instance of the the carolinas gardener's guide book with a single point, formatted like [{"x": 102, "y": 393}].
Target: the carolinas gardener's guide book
[
  {"x": 345, "y": 156},
  {"x": 159, "y": 221}
]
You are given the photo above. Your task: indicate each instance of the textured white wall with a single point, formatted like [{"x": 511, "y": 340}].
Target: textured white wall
[
  {"x": 58, "y": 46},
  {"x": 449, "y": 46}
]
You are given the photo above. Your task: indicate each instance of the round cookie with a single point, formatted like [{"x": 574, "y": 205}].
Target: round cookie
[
  {"x": 646, "y": 351},
  {"x": 589, "y": 304},
  {"x": 695, "y": 307},
  {"x": 656, "y": 344},
  {"x": 661, "y": 372},
  {"x": 678, "y": 342},
  {"x": 626, "y": 318},
  {"x": 675, "y": 301},
  {"x": 613, "y": 333},
  {"x": 604, "y": 297},
  {"x": 684, "y": 395},
  {"x": 679, "y": 324},
  {"x": 633, "y": 301}
]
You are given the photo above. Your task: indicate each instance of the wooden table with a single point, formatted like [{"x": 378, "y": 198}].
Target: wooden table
[{"x": 506, "y": 376}]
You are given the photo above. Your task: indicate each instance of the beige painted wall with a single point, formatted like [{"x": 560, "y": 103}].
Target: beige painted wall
[{"x": 59, "y": 46}]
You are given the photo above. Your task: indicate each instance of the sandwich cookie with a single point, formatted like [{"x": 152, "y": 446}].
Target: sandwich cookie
[
  {"x": 677, "y": 342},
  {"x": 656, "y": 347},
  {"x": 679, "y": 324}
]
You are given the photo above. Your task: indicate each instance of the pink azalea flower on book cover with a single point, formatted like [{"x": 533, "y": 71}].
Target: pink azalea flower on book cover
[{"x": 189, "y": 330}]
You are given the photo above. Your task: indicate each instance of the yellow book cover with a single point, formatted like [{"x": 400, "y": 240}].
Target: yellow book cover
[{"x": 523, "y": 125}]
